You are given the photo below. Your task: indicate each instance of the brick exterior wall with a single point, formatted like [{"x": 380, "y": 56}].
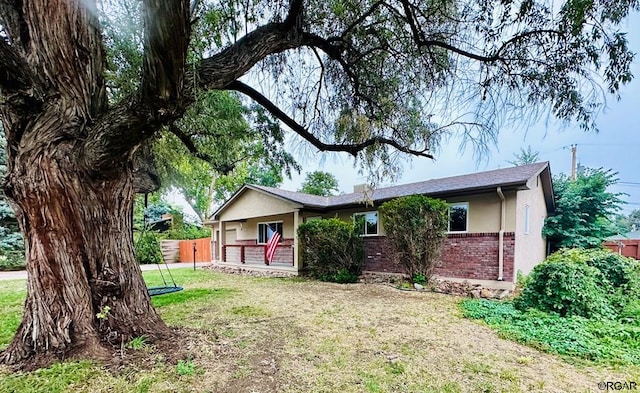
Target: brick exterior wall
[{"x": 465, "y": 255}]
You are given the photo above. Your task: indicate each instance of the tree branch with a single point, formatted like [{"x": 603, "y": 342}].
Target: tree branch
[
  {"x": 353, "y": 148},
  {"x": 186, "y": 140},
  {"x": 12, "y": 20},
  {"x": 17, "y": 82},
  {"x": 167, "y": 34}
]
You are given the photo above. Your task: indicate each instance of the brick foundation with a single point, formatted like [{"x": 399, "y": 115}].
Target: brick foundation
[{"x": 465, "y": 255}]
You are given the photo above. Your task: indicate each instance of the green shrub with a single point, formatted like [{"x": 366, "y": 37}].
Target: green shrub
[
  {"x": 416, "y": 228},
  {"x": 12, "y": 260},
  {"x": 614, "y": 267},
  {"x": 186, "y": 232},
  {"x": 588, "y": 283},
  {"x": 147, "y": 248},
  {"x": 332, "y": 250},
  {"x": 566, "y": 288}
]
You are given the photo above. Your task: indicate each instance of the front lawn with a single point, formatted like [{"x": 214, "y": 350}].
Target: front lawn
[{"x": 245, "y": 334}]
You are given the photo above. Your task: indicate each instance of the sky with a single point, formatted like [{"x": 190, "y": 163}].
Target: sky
[{"x": 616, "y": 146}]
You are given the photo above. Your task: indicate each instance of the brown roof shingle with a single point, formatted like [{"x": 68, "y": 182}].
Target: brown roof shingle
[{"x": 507, "y": 177}]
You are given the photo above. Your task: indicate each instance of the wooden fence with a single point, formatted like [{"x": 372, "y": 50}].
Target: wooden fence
[
  {"x": 627, "y": 247},
  {"x": 203, "y": 250}
]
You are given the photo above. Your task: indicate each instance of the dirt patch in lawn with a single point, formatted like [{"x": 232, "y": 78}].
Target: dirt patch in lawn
[
  {"x": 305, "y": 336},
  {"x": 265, "y": 335}
]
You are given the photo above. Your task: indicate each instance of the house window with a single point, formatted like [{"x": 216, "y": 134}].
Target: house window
[
  {"x": 526, "y": 219},
  {"x": 266, "y": 230},
  {"x": 367, "y": 223},
  {"x": 458, "y": 217}
]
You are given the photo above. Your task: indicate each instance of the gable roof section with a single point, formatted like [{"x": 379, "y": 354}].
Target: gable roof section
[
  {"x": 627, "y": 236},
  {"x": 515, "y": 177}
]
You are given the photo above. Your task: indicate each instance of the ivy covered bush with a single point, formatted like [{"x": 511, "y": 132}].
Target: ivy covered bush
[
  {"x": 332, "y": 250},
  {"x": 416, "y": 227},
  {"x": 588, "y": 283}
]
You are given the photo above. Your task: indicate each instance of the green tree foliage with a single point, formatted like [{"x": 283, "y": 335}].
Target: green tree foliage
[
  {"x": 319, "y": 183},
  {"x": 331, "y": 249},
  {"x": 588, "y": 283},
  {"x": 416, "y": 228},
  {"x": 525, "y": 157},
  {"x": 584, "y": 209},
  {"x": 628, "y": 223},
  {"x": 215, "y": 149}
]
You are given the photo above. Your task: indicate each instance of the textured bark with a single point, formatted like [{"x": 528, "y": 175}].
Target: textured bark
[
  {"x": 76, "y": 219},
  {"x": 78, "y": 232}
]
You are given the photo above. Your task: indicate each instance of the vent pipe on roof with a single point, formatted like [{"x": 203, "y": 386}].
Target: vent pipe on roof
[{"x": 503, "y": 212}]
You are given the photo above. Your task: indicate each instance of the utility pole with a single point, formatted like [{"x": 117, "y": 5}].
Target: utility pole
[{"x": 574, "y": 148}]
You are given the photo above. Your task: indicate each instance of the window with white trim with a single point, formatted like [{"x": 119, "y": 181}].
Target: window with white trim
[
  {"x": 265, "y": 229},
  {"x": 526, "y": 219},
  {"x": 367, "y": 223},
  {"x": 458, "y": 217}
]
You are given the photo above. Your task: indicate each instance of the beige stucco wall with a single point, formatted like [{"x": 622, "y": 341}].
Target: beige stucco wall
[
  {"x": 485, "y": 209},
  {"x": 346, "y": 215},
  {"x": 249, "y": 230},
  {"x": 530, "y": 249},
  {"x": 484, "y": 212},
  {"x": 253, "y": 204}
]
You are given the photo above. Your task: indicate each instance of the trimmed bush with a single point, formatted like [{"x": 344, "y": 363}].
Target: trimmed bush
[
  {"x": 332, "y": 250},
  {"x": 587, "y": 283},
  {"x": 147, "y": 248},
  {"x": 416, "y": 227},
  {"x": 12, "y": 260}
]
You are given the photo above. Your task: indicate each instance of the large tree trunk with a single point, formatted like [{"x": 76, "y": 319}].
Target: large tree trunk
[{"x": 80, "y": 256}]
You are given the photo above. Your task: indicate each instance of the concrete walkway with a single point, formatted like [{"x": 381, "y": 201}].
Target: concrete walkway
[{"x": 22, "y": 274}]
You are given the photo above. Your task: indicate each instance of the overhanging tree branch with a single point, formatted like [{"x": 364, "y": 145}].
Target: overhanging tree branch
[
  {"x": 223, "y": 168},
  {"x": 17, "y": 82},
  {"x": 351, "y": 148}
]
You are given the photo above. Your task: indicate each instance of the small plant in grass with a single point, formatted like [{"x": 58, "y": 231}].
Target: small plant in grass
[
  {"x": 137, "y": 343},
  {"x": 187, "y": 367},
  {"x": 416, "y": 228},
  {"x": 103, "y": 315}
]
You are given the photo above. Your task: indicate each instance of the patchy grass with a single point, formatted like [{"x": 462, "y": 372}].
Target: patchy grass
[{"x": 245, "y": 334}]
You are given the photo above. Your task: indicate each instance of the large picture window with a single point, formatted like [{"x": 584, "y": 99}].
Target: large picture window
[
  {"x": 458, "y": 217},
  {"x": 367, "y": 223},
  {"x": 266, "y": 229}
]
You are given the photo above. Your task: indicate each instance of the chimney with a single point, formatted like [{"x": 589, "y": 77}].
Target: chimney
[{"x": 361, "y": 188}]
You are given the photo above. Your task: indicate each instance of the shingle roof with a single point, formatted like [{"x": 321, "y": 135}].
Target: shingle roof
[
  {"x": 507, "y": 177},
  {"x": 626, "y": 236}
]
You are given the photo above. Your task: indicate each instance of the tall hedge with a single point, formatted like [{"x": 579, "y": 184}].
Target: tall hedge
[
  {"x": 331, "y": 249},
  {"x": 416, "y": 227}
]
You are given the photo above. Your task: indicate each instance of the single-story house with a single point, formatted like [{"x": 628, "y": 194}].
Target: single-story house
[
  {"x": 627, "y": 244},
  {"x": 495, "y": 228}
]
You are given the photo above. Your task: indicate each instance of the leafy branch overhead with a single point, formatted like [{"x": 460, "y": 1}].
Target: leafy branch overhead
[{"x": 356, "y": 76}]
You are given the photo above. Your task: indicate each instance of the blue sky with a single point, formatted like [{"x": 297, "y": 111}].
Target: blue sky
[{"x": 616, "y": 146}]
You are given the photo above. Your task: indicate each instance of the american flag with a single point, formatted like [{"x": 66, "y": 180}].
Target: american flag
[{"x": 272, "y": 244}]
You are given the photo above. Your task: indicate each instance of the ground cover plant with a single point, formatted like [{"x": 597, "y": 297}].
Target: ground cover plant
[
  {"x": 581, "y": 303},
  {"x": 243, "y": 334}
]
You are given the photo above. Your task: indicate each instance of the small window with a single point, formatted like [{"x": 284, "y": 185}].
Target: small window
[
  {"x": 267, "y": 229},
  {"x": 526, "y": 219},
  {"x": 367, "y": 223},
  {"x": 458, "y": 217}
]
